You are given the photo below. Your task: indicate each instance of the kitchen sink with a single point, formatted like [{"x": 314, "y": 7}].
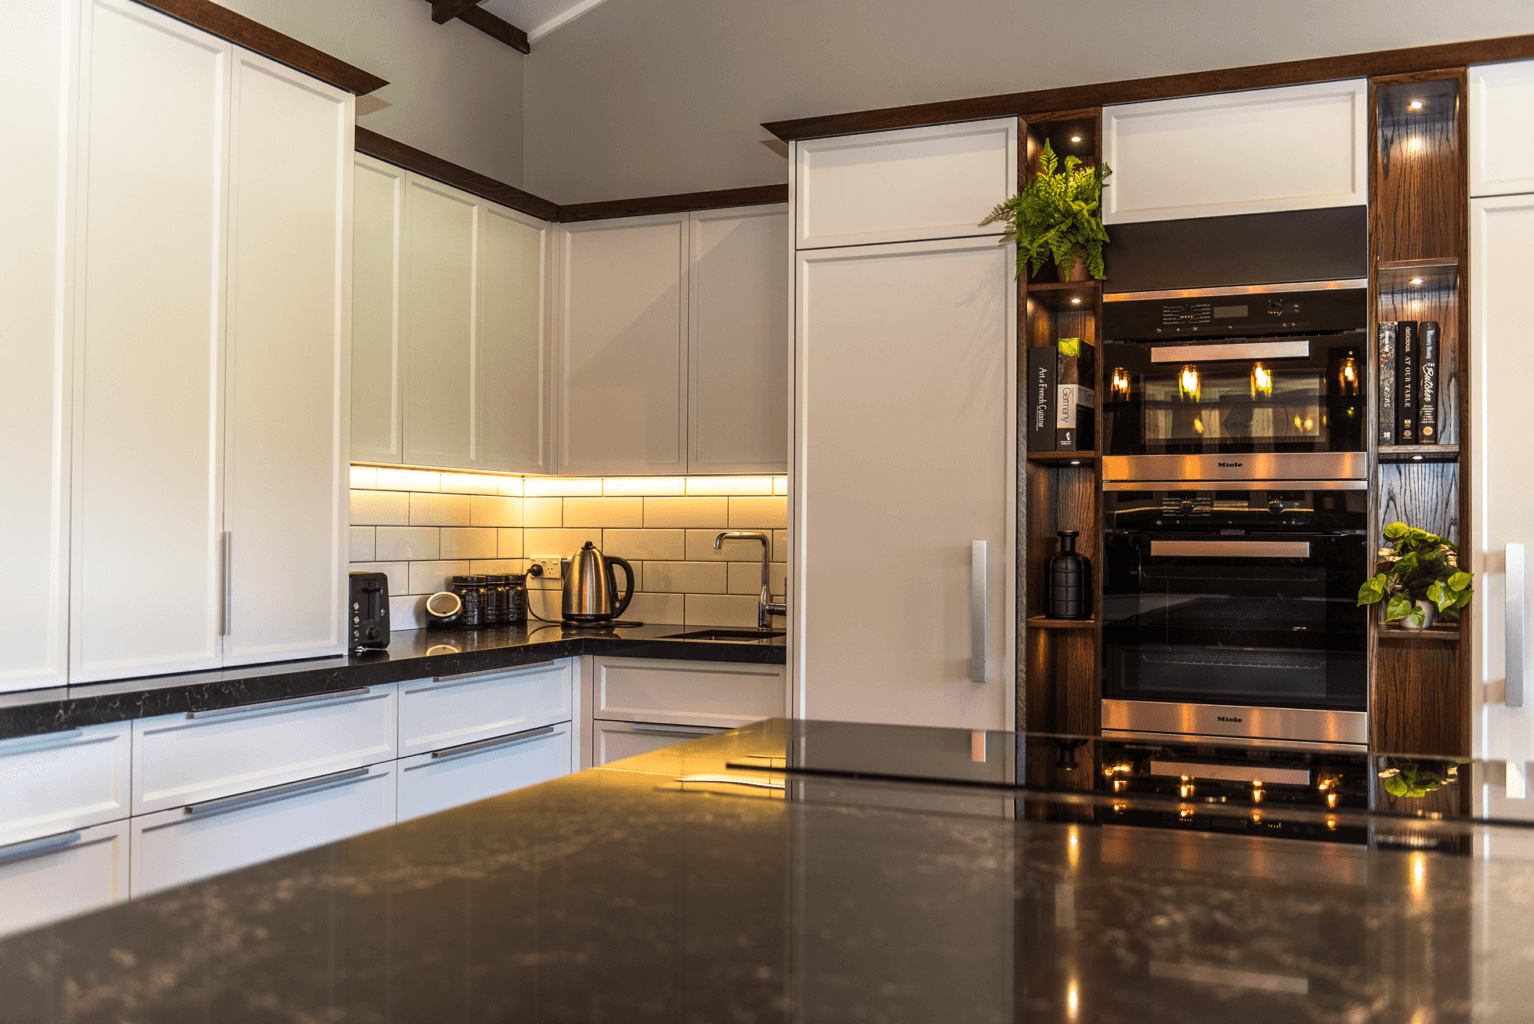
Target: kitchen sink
[{"x": 726, "y": 634}]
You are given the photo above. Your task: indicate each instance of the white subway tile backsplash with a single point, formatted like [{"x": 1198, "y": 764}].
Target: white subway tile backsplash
[
  {"x": 700, "y": 548},
  {"x": 542, "y": 486},
  {"x": 498, "y": 566},
  {"x": 544, "y": 513},
  {"x": 684, "y": 577},
  {"x": 485, "y": 511},
  {"x": 720, "y": 610},
  {"x": 430, "y": 577},
  {"x": 655, "y": 608},
  {"x": 364, "y": 478},
  {"x": 468, "y": 542},
  {"x": 644, "y": 485},
  {"x": 557, "y": 543},
  {"x": 511, "y": 486},
  {"x": 746, "y": 578},
  {"x": 641, "y": 544},
  {"x": 604, "y": 512},
  {"x": 409, "y": 480},
  {"x": 780, "y": 545},
  {"x": 470, "y": 483},
  {"x": 543, "y": 602},
  {"x": 407, "y": 611},
  {"x": 439, "y": 509},
  {"x": 780, "y": 485},
  {"x": 673, "y": 512},
  {"x": 406, "y": 543},
  {"x": 361, "y": 544},
  {"x": 508, "y": 543},
  {"x": 380, "y": 508},
  {"x": 398, "y": 573},
  {"x": 729, "y": 485},
  {"x": 758, "y": 513}
]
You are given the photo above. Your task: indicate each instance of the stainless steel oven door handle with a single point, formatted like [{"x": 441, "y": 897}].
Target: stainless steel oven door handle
[
  {"x": 1233, "y": 350},
  {"x": 1515, "y": 632},
  {"x": 1230, "y": 549},
  {"x": 979, "y": 610}
]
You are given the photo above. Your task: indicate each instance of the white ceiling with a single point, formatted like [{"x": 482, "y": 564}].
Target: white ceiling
[{"x": 538, "y": 17}]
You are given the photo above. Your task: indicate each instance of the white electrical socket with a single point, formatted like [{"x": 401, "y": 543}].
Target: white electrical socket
[{"x": 551, "y": 567}]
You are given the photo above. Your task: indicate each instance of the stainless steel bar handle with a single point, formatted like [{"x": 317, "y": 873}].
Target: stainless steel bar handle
[
  {"x": 33, "y": 847},
  {"x": 1233, "y": 485},
  {"x": 494, "y": 741},
  {"x": 313, "y": 698},
  {"x": 1232, "y": 350},
  {"x": 679, "y": 730},
  {"x": 230, "y": 803},
  {"x": 978, "y": 610},
  {"x": 226, "y": 626},
  {"x": 1515, "y": 632},
  {"x": 1230, "y": 549}
]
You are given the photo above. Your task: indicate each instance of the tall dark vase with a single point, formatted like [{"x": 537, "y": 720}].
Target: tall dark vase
[{"x": 1070, "y": 581}]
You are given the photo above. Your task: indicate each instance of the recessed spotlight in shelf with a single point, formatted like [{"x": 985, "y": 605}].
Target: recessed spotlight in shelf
[
  {"x": 1075, "y": 138},
  {"x": 1415, "y": 104},
  {"x": 1076, "y": 302},
  {"x": 1416, "y": 280},
  {"x": 1075, "y": 462},
  {"x": 1416, "y": 458}
]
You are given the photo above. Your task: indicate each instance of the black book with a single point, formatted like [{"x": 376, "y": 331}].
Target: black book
[
  {"x": 1075, "y": 396},
  {"x": 1406, "y": 382},
  {"x": 1427, "y": 383},
  {"x": 1041, "y": 399},
  {"x": 1387, "y": 371}
]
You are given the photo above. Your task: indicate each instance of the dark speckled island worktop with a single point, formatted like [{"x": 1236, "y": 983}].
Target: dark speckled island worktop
[
  {"x": 715, "y": 881},
  {"x": 413, "y": 654}
]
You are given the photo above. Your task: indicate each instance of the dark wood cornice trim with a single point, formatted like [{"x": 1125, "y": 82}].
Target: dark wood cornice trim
[
  {"x": 412, "y": 159},
  {"x": 755, "y": 195},
  {"x": 253, "y": 35},
  {"x": 1257, "y": 76},
  {"x": 497, "y": 28}
]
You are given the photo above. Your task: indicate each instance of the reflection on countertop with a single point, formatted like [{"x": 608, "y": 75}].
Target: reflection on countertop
[{"x": 674, "y": 887}]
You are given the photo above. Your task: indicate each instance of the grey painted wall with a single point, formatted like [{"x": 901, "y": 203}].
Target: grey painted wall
[
  {"x": 453, "y": 91},
  {"x": 647, "y": 97}
]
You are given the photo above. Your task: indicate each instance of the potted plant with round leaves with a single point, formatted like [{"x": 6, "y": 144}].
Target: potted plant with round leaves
[
  {"x": 1058, "y": 216},
  {"x": 1419, "y": 578}
]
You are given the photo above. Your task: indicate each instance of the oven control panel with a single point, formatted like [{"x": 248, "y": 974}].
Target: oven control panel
[{"x": 1186, "y": 505}]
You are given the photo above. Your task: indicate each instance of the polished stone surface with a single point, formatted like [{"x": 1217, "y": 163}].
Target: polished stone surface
[
  {"x": 672, "y": 888},
  {"x": 412, "y": 654}
]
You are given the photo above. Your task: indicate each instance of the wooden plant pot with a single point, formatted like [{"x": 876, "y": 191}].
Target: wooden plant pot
[{"x": 1076, "y": 270}]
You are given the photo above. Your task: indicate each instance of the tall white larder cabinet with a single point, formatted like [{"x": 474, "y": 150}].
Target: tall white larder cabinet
[
  {"x": 1501, "y": 381},
  {"x": 195, "y": 357},
  {"x": 903, "y": 471}
]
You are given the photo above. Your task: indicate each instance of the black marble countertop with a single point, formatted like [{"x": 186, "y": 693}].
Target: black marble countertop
[
  {"x": 412, "y": 654},
  {"x": 671, "y": 887}
]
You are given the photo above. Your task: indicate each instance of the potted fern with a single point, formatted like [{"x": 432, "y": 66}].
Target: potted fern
[
  {"x": 1420, "y": 576},
  {"x": 1058, "y": 216}
]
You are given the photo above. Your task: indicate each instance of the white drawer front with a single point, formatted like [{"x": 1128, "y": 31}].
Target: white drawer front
[
  {"x": 173, "y": 847},
  {"x": 51, "y": 879},
  {"x": 179, "y": 760},
  {"x": 428, "y": 784},
  {"x": 686, "y": 692},
  {"x": 613, "y": 741},
  {"x": 448, "y": 711},
  {"x": 62, "y": 781}
]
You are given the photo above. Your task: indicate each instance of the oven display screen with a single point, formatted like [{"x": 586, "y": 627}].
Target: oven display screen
[{"x": 1229, "y": 312}]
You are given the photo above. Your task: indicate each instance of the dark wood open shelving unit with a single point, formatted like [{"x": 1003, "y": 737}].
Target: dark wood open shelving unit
[
  {"x": 1419, "y": 453},
  {"x": 1070, "y": 458},
  {"x": 1044, "y": 622},
  {"x": 1434, "y": 633}
]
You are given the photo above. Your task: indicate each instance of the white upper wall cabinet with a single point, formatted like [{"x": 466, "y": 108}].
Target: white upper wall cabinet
[
  {"x": 378, "y": 217},
  {"x": 622, "y": 346},
  {"x": 738, "y": 341},
  {"x": 512, "y": 378},
  {"x": 1302, "y": 147},
  {"x": 35, "y": 353},
  {"x": 288, "y": 356},
  {"x": 1502, "y": 129},
  {"x": 905, "y": 185}
]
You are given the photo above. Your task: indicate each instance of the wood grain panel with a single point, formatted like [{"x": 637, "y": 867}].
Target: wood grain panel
[
  {"x": 1421, "y": 494},
  {"x": 1258, "y": 76},
  {"x": 719, "y": 199},
  {"x": 1418, "y": 167},
  {"x": 1419, "y": 706},
  {"x": 253, "y": 35},
  {"x": 422, "y": 162}
]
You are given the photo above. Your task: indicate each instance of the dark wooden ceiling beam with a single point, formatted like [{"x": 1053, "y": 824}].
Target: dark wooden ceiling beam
[
  {"x": 443, "y": 11},
  {"x": 470, "y": 13},
  {"x": 422, "y": 162},
  {"x": 1258, "y": 76}
]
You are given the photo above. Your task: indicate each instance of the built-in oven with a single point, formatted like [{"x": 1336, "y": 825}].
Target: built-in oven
[
  {"x": 1257, "y": 383},
  {"x": 1229, "y": 610}
]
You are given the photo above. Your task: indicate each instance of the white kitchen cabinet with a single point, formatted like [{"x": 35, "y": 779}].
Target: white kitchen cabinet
[
  {"x": 622, "y": 346},
  {"x": 62, "y": 781},
  {"x": 288, "y": 352},
  {"x": 181, "y": 845},
  {"x": 147, "y": 520},
  {"x": 613, "y": 741},
  {"x": 453, "y": 710},
  {"x": 58, "y": 876},
  {"x": 1501, "y": 112},
  {"x": 378, "y": 221},
  {"x": 698, "y": 693},
  {"x": 35, "y": 208},
  {"x": 1501, "y": 379},
  {"x": 738, "y": 341},
  {"x": 512, "y": 377},
  {"x": 884, "y": 613},
  {"x": 903, "y": 185},
  {"x": 462, "y": 774},
  {"x": 1302, "y": 147},
  {"x": 199, "y": 756}
]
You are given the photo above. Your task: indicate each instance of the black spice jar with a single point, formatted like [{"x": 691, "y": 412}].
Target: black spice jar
[
  {"x": 516, "y": 599},
  {"x": 471, "y": 591},
  {"x": 497, "y": 600},
  {"x": 1070, "y": 581}
]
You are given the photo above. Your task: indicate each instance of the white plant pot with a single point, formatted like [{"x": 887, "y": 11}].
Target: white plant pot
[{"x": 1429, "y": 616}]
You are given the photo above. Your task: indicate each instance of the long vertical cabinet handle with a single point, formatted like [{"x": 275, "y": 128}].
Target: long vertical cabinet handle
[
  {"x": 1515, "y": 635},
  {"x": 978, "y": 611},
  {"x": 227, "y": 628}
]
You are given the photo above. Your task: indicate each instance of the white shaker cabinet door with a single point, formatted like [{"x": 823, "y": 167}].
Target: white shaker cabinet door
[
  {"x": 288, "y": 360},
  {"x": 442, "y": 227},
  {"x": 1501, "y": 380},
  {"x": 512, "y": 378},
  {"x": 1502, "y": 129},
  {"x": 1303, "y": 147},
  {"x": 906, "y": 372},
  {"x": 738, "y": 341},
  {"x": 378, "y": 215},
  {"x": 59, "y": 876},
  {"x": 451, "y": 777},
  {"x": 35, "y": 353},
  {"x": 622, "y": 346},
  {"x": 146, "y": 566}
]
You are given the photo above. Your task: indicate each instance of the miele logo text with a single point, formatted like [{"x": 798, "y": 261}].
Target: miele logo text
[
  {"x": 1231, "y": 465},
  {"x": 1222, "y": 718}
]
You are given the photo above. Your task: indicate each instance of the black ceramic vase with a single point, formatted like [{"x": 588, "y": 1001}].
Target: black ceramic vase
[{"x": 1070, "y": 581}]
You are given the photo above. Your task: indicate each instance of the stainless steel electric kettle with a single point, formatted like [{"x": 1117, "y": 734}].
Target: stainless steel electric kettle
[{"x": 590, "y": 587}]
